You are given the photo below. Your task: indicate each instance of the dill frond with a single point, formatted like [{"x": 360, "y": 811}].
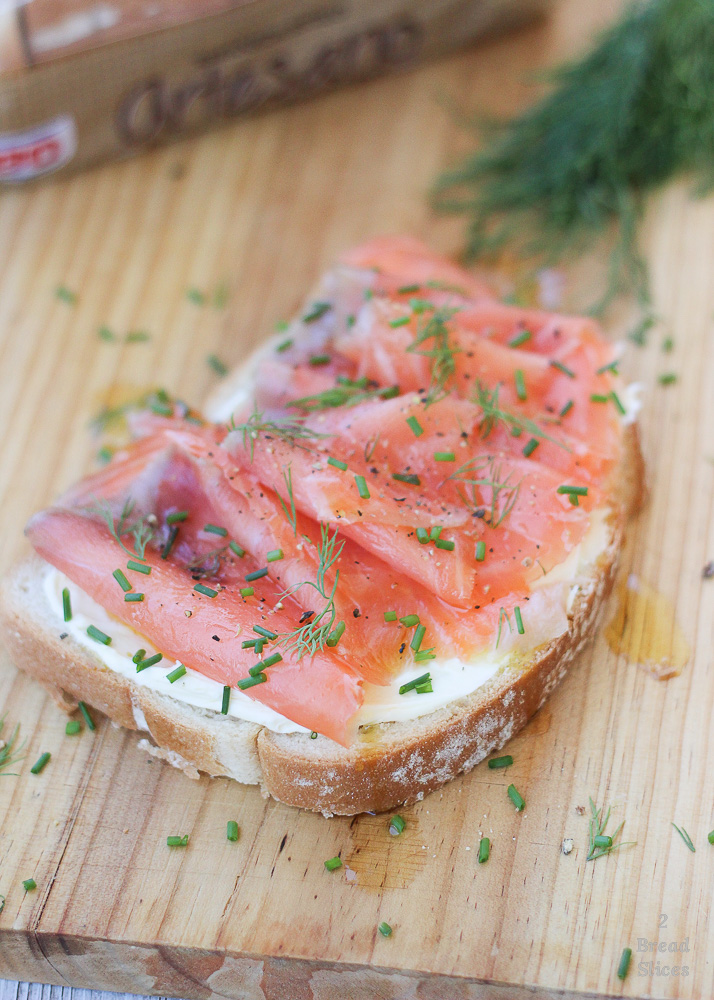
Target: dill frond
[
  {"x": 10, "y": 752},
  {"x": 293, "y": 432},
  {"x": 310, "y": 638},
  {"x": 140, "y": 529},
  {"x": 441, "y": 354},
  {"x": 504, "y": 492}
]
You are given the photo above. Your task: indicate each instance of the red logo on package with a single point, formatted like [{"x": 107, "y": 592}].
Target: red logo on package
[{"x": 37, "y": 151}]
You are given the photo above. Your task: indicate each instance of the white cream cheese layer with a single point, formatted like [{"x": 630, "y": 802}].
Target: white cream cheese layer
[{"x": 545, "y": 618}]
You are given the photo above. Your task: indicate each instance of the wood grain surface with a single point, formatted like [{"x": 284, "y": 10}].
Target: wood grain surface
[{"x": 263, "y": 205}]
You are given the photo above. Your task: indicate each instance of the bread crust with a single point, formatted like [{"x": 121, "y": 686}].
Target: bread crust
[{"x": 391, "y": 764}]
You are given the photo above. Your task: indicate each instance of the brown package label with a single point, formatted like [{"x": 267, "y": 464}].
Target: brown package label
[{"x": 80, "y": 82}]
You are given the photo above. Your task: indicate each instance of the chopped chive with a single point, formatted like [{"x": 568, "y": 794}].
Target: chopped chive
[
  {"x": 408, "y": 289},
  {"x": 520, "y": 338},
  {"x": 409, "y": 620},
  {"x": 520, "y": 381},
  {"x": 316, "y": 310},
  {"x": 274, "y": 555},
  {"x": 319, "y": 359},
  {"x": 235, "y": 547},
  {"x": 248, "y": 644},
  {"x": 216, "y": 365},
  {"x": 266, "y": 633},
  {"x": 410, "y": 685},
  {"x": 104, "y": 455},
  {"x": 624, "y": 966},
  {"x": 138, "y": 567},
  {"x": 336, "y": 634},
  {"x": 599, "y": 397},
  {"x": 426, "y": 687},
  {"x": 444, "y": 456},
  {"x": 133, "y": 598},
  {"x": 196, "y": 296},
  {"x": 668, "y": 378},
  {"x": 332, "y": 864},
  {"x": 104, "y": 333},
  {"x": 567, "y": 408},
  {"x": 40, "y": 762},
  {"x": 121, "y": 580},
  {"x": 390, "y": 616},
  {"x": 445, "y": 543},
  {"x": 141, "y": 337},
  {"x": 95, "y": 633},
  {"x": 29, "y": 884},
  {"x": 562, "y": 368},
  {"x": 400, "y": 321},
  {"x": 232, "y": 830},
  {"x": 368, "y": 293},
  {"x": 350, "y": 321},
  {"x": 284, "y": 345},
  {"x": 176, "y": 674},
  {"x": 159, "y": 408},
  {"x": 519, "y": 620},
  {"x": 176, "y": 516},
  {"x": 420, "y": 305},
  {"x": 362, "y": 487},
  {"x": 415, "y": 426},
  {"x": 602, "y": 840},
  {"x": 435, "y": 532},
  {"x": 87, "y": 717},
  {"x": 572, "y": 497},
  {"x": 480, "y": 551},
  {"x": 667, "y": 345},
  {"x": 226, "y": 700},
  {"x": 421, "y": 657},
  {"x": 484, "y": 850},
  {"x": 498, "y": 762},
  {"x": 148, "y": 662},
  {"x": 612, "y": 366},
  {"x": 73, "y": 727},
  {"x": 618, "y": 403},
  {"x": 384, "y": 929},
  {"x": 138, "y": 656},
  {"x": 259, "y": 643},
  {"x": 407, "y": 477},
  {"x": 215, "y": 529},
  {"x": 579, "y": 491},
  {"x": 64, "y": 294},
  {"x": 271, "y": 660},
  {"x": 257, "y": 574},
  {"x": 530, "y": 447},
  {"x": 246, "y": 591},
  {"x": 390, "y": 392},
  {"x": 281, "y": 326},
  {"x": 249, "y": 682},
  {"x": 422, "y": 535},
  {"x": 177, "y": 841},
  {"x": 417, "y": 637},
  {"x": 397, "y": 825},
  {"x": 516, "y": 798},
  {"x": 66, "y": 605},
  {"x": 201, "y": 588},
  {"x": 173, "y": 534},
  {"x": 313, "y": 735},
  {"x": 337, "y": 463}
]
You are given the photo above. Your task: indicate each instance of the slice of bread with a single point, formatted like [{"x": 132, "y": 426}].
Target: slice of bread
[{"x": 391, "y": 764}]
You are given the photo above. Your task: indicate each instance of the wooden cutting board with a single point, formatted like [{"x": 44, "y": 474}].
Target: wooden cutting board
[{"x": 263, "y": 206}]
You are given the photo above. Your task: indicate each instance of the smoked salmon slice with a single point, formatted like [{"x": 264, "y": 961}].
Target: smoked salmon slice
[{"x": 408, "y": 463}]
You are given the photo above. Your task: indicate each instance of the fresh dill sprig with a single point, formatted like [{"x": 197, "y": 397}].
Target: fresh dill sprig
[
  {"x": 310, "y": 637},
  {"x": 685, "y": 837},
  {"x": 293, "y": 432},
  {"x": 370, "y": 447},
  {"x": 599, "y": 842},
  {"x": 634, "y": 111},
  {"x": 346, "y": 392},
  {"x": 503, "y": 616},
  {"x": 493, "y": 414},
  {"x": 290, "y": 513},
  {"x": 10, "y": 752},
  {"x": 434, "y": 328},
  {"x": 140, "y": 529},
  {"x": 504, "y": 492}
]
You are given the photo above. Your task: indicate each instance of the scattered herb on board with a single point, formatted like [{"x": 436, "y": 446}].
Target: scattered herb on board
[
  {"x": 624, "y": 966},
  {"x": 65, "y": 294},
  {"x": 9, "y": 750},
  {"x": 599, "y": 842},
  {"x": 632, "y": 113},
  {"x": 216, "y": 365},
  {"x": 685, "y": 837}
]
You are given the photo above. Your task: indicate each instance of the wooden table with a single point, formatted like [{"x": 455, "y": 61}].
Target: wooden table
[{"x": 263, "y": 205}]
